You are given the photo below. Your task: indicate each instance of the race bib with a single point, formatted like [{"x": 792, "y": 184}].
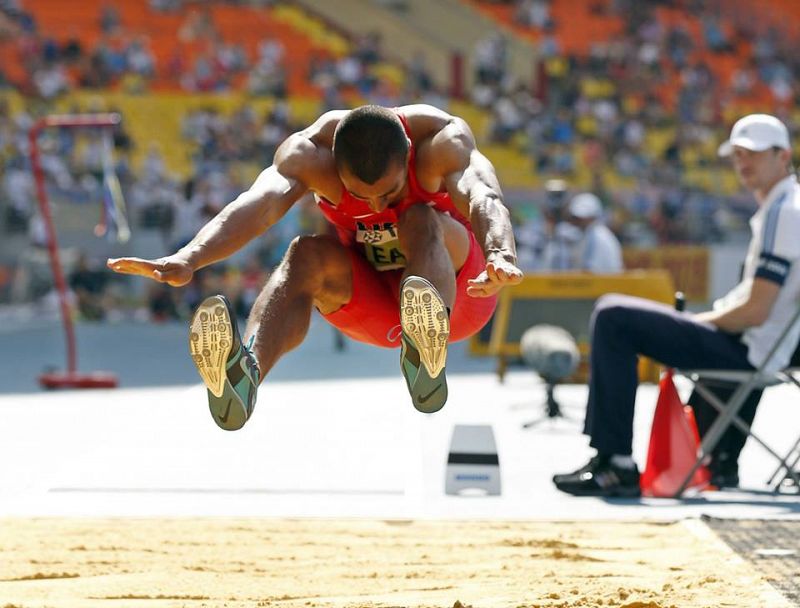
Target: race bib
[{"x": 381, "y": 245}]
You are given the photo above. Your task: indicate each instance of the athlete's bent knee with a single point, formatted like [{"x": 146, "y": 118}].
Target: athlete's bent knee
[
  {"x": 319, "y": 265},
  {"x": 419, "y": 213},
  {"x": 419, "y": 223},
  {"x": 314, "y": 249}
]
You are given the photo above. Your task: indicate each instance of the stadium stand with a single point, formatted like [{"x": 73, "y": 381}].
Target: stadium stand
[{"x": 626, "y": 98}]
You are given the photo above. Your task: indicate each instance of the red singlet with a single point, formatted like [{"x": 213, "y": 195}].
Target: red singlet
[{"x": 372, "y": 314}]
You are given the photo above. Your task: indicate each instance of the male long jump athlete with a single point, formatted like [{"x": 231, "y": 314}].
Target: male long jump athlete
[{"x": 424, "y": 245}]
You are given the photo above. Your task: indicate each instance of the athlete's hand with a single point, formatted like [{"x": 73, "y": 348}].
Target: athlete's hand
[
  {"x": 171, "y": 270},
  {"x": 499, "y": 272}
]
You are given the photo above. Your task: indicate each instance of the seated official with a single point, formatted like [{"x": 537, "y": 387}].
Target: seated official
[{"x": 737, "y": 334}]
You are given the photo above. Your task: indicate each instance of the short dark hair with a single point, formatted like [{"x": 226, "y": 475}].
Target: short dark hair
[{"x": 367, "y": 140}]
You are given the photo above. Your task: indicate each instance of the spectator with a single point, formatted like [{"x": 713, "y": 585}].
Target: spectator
[
  {"x": 597, "y": 250},
  {"x": 533, "y": 13},
  {"x": 139, "y": 58},
  {"x": 163, "y": 303},
  {"x": 18, "y": 195},
  {"x": 89, "y": 283},
  {"x": 109, "y": 19}
]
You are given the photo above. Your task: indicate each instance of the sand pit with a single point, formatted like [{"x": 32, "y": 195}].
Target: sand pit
[{"x": 160, "y": 563}]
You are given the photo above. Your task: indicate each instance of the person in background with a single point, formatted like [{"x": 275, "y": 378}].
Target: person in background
[
  {"x": 597, "y": 249},
  {"x": 545, "y": 241},
  {"x": 89, "y": 283}
]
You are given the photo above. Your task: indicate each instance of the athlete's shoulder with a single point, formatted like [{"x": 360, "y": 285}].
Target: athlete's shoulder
[
  {"x": 424, "y": 121},
  {"x": 322, "y": 129},
  {"x": 447, "y": 148},
  {"x": 311, "y": 146},
  {"x": 423, "y": 111}
]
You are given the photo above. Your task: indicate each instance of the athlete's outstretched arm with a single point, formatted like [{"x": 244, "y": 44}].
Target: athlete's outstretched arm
[
  {"x": 254, "y": 211},
  {"x": 473, "y": 186}
]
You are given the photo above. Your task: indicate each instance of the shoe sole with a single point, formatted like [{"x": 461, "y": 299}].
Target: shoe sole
[
  {"x": 423, "y": 317},
  {"x": 599, "y": 493},
  {"x": 210, "y": 342}
]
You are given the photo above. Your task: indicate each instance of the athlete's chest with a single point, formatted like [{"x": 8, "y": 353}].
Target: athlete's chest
[{"x": 377, "y": 232}]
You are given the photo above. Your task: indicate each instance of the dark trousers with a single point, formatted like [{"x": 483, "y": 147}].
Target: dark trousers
[{"x": 624, "y": 327}]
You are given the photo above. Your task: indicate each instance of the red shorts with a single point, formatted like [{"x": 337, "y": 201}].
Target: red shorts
[{"x": 373, "y": 313}]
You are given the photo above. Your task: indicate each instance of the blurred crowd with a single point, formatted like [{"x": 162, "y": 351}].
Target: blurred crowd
[
  {"x": 593, "y": 112},
  {"x": 583, "y": 113},
  {"x": 169, "y": 208},
  {"x": 123, "y": 57},
  {"x": 227, "y": 150}
]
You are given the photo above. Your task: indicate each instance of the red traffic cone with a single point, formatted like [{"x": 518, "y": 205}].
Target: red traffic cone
[{"x": 674, "y": 442}]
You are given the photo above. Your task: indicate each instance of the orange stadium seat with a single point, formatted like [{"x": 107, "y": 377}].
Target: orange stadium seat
[
  {"x": 578, "y": 28},
  {"x": 236, "y": 24}
]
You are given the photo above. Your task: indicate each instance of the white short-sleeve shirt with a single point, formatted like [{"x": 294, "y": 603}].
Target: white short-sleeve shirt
[
  {"x": 599, "y": 250},
  {"x": 774, "y": 255},
  {"x": 595, "y": 249}
]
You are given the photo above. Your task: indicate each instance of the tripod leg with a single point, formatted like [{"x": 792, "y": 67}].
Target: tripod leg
[{"x": 553, "y": 408}]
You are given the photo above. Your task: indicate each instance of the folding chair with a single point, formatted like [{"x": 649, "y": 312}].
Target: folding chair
[{"x": 728, "y": 412}]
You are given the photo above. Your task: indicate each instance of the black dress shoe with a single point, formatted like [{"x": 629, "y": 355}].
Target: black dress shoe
[
  {"x": 724, "y": 471},
  {"x": 600, "y": 477},
  {"x": 725, "y": 480},
  {"x": 587, "y": 467}
]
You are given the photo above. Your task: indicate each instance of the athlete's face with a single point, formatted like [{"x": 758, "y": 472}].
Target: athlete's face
[
  {"x": 386, "y": 191},
  {"x": 759, "y": 171}
]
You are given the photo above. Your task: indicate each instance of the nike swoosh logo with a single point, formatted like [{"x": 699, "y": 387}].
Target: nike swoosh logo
[
  {"x": 223, "y": 419},
  {"x": 425, "y": 398}
]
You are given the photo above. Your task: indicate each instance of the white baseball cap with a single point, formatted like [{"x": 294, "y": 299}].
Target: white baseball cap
[
  {"x": 756, "y": 132},
  {"x": 585, "y": 206}
]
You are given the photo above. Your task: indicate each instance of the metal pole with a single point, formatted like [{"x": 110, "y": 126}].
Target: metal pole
[
  {"x": 75, "y": 120},
  {"x": 52, "y": 243}
]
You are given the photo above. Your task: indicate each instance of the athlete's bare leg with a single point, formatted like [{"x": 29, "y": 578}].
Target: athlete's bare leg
[
  {"x": 436, "y": 247},
  {"x": 315, "y": 271}
]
